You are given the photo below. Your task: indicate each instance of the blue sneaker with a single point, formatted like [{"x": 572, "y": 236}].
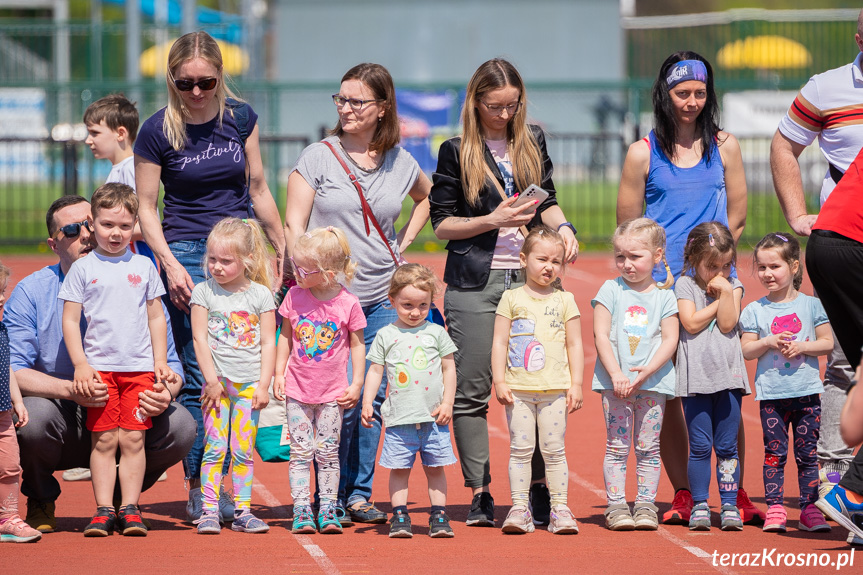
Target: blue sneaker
[
  {"x": 304, "y": 521},
  {"x": 837, "y": 507},
  {"x": 245, "y": 522},
  {"x": 328, "y": 521},
  {"x": 208, "y": 523}
]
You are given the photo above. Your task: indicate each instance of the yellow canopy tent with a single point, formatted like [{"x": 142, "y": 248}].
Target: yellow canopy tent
[
  {"x": 763, "y": 53},
  {"x": 154, "y": 60}
]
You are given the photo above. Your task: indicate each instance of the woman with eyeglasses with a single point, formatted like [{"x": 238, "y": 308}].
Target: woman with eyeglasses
[
  {"x": 687, "y": 171},
  {"x": 478, "y": 178},
  {"x": 321, "y": 193},
  {"x": 194, "y": 146}
]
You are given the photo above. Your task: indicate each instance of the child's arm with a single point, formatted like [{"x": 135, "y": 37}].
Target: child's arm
[
  {"x": 283, "y": 354},
  {"x": 17, "y": 401},
  {"x": 601, "y": 336},
  {"x": 575, "y": 357},
  {"x": 670, "y": 327},
  {"x": 499, "y": 345},
  {"x": 443, "y": 412},
  {"x": 261, "y": 397},
  {"x": 822, "y": 345},
  {"x": 358, "y": 365},
  {"x": 373, "y": 383},
  {"x": 694, "y": 321},
  {"x": 85, "y": 376},
  {"x": 728, "y": 311},
  {"x": 754, "y": 347},
  {"x": 158, "y": 339},
  {"x": 213, "y": 391}
]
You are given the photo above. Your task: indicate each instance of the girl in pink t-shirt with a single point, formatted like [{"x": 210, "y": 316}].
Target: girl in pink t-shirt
[{"x": 323, "y": 325}]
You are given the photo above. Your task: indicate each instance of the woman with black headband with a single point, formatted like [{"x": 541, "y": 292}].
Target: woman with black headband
[{"x": 685, "y": 172}]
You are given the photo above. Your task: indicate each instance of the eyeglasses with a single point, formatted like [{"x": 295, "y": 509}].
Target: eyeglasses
[
  {"x": 189, "y": 85},
  {"x": 498, "y": 110},
  {"x": 72, "y": 230},
  {"x": 301, "y": 272},
  {"x": 356, "y": 104}
]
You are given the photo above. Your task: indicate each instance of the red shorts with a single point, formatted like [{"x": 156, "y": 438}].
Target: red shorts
[{"x": 122, "y": 407}]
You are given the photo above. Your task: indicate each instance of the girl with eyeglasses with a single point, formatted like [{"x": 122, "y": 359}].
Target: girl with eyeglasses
[
  {"x": 210, "y": 171},
  {"x": 478, "y": 179},
  {"x": 363, "y": 145},
  {"x": 687, "y": 171}
]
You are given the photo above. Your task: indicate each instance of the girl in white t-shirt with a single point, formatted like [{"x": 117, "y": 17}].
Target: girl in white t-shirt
[
  {"x": 536, "y": 366},
  {"x": 636, "y": 329},
  {"x": 234, "y": 331},
  {"x": 322, "y": 328}
]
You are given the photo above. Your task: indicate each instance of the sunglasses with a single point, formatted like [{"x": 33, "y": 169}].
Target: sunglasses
[
  {"x": 301, "y": 272},
  {"x": 72, "y": 230},
  {"x": 189, "y": 85}
]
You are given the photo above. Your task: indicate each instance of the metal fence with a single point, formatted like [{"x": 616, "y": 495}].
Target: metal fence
[{"x": 587, "y": 171}]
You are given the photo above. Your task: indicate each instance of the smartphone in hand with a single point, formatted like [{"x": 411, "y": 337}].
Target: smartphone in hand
[{"x": 532, "y": 194}]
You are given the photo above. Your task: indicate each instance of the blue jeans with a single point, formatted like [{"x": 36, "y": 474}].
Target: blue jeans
[
  {"x": 359, "y": 445},
  {"x": 713, "y": 420},
  {"x": 190, "y": 254}
]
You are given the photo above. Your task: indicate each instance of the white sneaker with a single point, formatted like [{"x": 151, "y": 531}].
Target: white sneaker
[
  {"x": 518, "y": 520},
  {"x": 77, "y": 474},
  {"x": 163, "y": 477},
  {"x": 562, "y": 521},
  {"x": 853, "y": 539}
]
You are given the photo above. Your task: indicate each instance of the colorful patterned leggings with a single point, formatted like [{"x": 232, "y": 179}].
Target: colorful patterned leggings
[
  {"x": 804, "y": 416},
  {"x": 315, "y": 429},
  {"x": 638, "y": 419},
  {"x": 533, "y": 412},
  {"x": 236, "y": 418}
]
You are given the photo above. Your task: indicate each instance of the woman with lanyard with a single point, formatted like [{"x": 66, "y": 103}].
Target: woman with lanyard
[
  {"x": 195, "y": 147},
  {"x": 478, "y": 178},
  {"x": 686, "y": 171},
  {"x": 362, "y": 146}
]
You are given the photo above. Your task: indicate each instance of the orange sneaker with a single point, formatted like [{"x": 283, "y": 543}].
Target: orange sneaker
[
  {"x": 750, "y": 514},
  {"x": 681, "y": 509}
]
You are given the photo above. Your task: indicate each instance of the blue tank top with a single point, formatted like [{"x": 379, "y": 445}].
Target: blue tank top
[{"x": 679, "y": 199}]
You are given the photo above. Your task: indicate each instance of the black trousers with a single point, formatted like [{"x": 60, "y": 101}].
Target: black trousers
[{"x": 835, "y": 266}]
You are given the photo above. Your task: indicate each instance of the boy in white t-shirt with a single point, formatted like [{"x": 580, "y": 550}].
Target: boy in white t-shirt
[{"x": 124, "y": 347}]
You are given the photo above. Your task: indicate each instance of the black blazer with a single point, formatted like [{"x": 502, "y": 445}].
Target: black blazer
[{"x": 468, "y": 261}]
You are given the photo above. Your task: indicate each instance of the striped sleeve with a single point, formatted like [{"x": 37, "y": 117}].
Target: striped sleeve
[{"x": 803, "y": 121}]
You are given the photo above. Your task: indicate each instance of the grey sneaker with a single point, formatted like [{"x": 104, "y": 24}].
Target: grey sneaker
[
  {"x": 731, "y": 520},
  {"x": 699, "y": 520},
  {"x": 644, "y": 515},
  {"x": 518, "y": 520},
  {"x": 562, "y": 521},
  {"x": 195, "y": 504},
  {"x": 618, "y": 517},
  {"x": 248, "y": 523},
  {"x": 208, "y": 524},
  {"x": 226, "y": 505}
]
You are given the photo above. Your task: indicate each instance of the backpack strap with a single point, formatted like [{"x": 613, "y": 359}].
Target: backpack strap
[{"x": 240, "y": 111}]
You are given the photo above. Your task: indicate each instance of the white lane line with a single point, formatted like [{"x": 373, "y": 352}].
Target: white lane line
[
  {"x": 600, "y": 493},
  {"x": 313, "y": 550}
]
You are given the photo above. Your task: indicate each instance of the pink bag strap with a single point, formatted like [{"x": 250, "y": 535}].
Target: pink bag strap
[{"x": 368, "y": 215}]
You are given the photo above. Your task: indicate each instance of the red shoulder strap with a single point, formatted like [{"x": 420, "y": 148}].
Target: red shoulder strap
[{"x": 368, "y": 215}]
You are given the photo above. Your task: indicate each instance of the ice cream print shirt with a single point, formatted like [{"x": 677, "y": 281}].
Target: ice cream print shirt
[
  {"x": 536, "y": 357},
  {"x": 635, "y": 333}
]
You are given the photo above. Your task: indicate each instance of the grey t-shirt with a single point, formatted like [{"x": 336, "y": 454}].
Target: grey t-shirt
[
  {"x": 708, "y": 361},
  {"x": 338, "y": 204}
]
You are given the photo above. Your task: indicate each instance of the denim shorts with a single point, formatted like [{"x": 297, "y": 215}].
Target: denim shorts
[{"x": 403, "y": 442}]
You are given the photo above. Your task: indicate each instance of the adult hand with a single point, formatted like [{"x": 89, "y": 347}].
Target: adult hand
[
  {"x": 570, "y": 243},
  {"x": 97, "y": 398},
  {"x": 506, "y": 216},
  {"x": 154, "y": 401},
  {"x": 180, "y": 286},
  {"x": 802, "y": 225}
]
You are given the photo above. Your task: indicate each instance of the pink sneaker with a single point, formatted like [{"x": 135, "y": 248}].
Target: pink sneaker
[
  {"x": 811, "y": 519},
  {"x": 776, "y": 519},
  {"x": 16, "y": 531}
]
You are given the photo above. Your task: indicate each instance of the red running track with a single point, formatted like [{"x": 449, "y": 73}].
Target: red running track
[{"x": 173, "y": 546}]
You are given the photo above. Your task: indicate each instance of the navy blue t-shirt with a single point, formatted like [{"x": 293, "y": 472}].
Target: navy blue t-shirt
[{"x": 205, "y": 181}]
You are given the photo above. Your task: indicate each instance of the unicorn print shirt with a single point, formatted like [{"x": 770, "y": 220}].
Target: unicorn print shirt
[
  {"x": 777, "y": 376},
  {"x": 413, "y": 370},
  {"x": 536, "y": 357},
  {"x": 234, "y": 327},
  {"x": 635, "y": 333},
  {"x": 317, "y": 370}
]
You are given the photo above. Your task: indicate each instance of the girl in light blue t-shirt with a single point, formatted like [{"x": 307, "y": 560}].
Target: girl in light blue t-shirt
[{"x": 636, "y": 331}]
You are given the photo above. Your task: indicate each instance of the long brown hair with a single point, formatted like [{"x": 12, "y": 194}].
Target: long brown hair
[
  {"x": 188, "y": 47},
  {"x": 378, "y": 80},
  {"x": 524, "y": 150}
]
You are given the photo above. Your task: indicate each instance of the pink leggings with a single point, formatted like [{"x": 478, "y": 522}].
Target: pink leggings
[{"x": 10, "y": 467}]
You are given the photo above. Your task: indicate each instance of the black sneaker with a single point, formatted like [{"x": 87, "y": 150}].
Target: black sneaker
[
  {"x": 366, "y": 512},
  {"x": 129, "y": 521},
  {"x": 481, "y": 510},
  {"x": 102, "y": 523},
  {"x": 540, "y": 503},
  {"x": 439, "y": 525},
  {"x": 400, "y": 525}
]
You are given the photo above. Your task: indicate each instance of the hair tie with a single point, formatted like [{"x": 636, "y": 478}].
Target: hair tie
[
  {"x": 781, "y": 237},
  {"x": 308, "y": 235},
  {"x": 686, "y": 70},
  {"x": 330, "y": 229},
  {"x": 246, "y": 222},
  {"x": 711, "y": 240}
]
